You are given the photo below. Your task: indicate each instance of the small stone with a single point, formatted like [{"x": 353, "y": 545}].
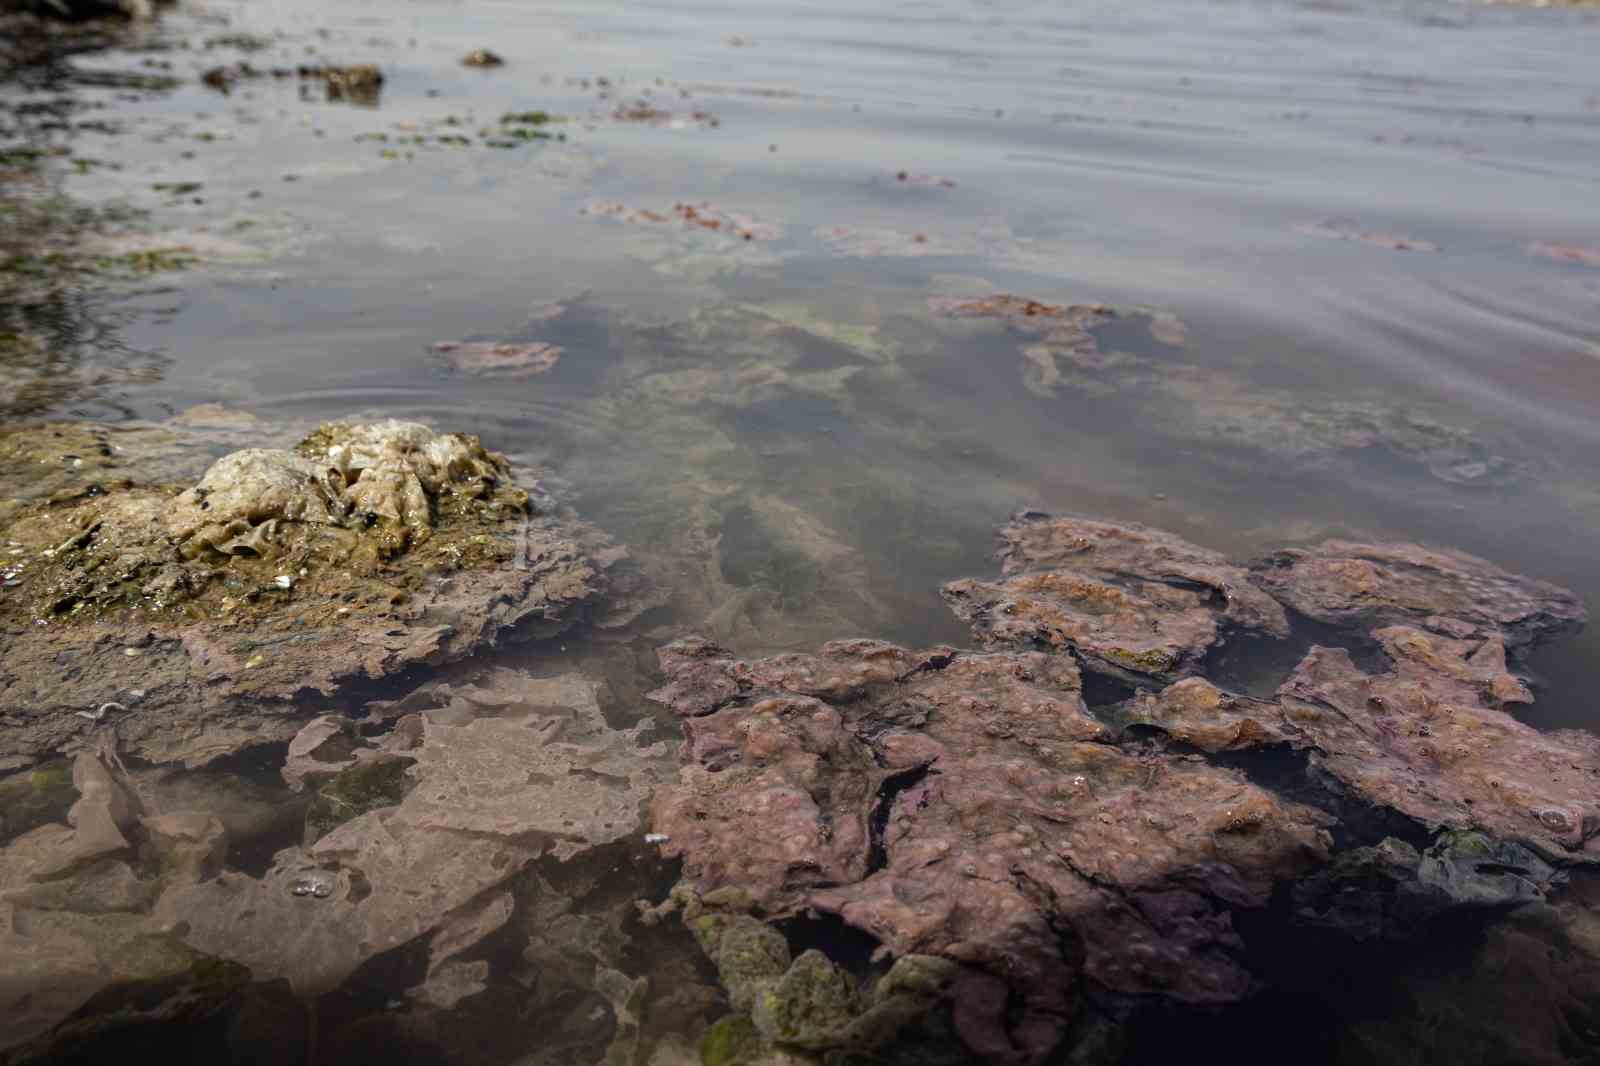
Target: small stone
[{"x": 284, "y": 581}]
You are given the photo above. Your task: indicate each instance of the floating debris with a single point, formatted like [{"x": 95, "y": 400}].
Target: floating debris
[
  {"x": 482, "y": 57},
  {"x": 701, "y": 216},
  {"x": 908, "y": 179},
  {"x": 1341, "y": 230},
  {"x": 498, "y": 359},
  {"x": 1566, "y": 253}
]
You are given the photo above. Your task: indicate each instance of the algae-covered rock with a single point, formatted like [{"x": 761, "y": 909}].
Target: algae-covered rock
[
  {"x": 367, "y": 786},
  {"x": 805, "y": 1005},
  {"x": 205, "y": 619},
  {"x": 730, "y": 1040},
  {"x": 968, "y": 807},
  {"x": 34, "y": 797},
  {"x": 1131, "y": 601},
  {"x": 811, "y": 1006},
  {"x": 1447, "y": 592}
]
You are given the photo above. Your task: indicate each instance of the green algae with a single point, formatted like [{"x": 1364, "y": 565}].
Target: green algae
[
  {"x": 364, "y": 787},
  {"x": 35, "y": 797},
  {"x": 730, "y": 1040}
]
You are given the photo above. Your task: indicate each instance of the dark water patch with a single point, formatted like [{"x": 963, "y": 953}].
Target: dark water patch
[
  {"x": 1255, "y": 665},
  {"x": 844, "y": 944}
]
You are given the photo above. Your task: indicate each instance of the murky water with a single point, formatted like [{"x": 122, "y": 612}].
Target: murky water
[{"x": 1327, "y": 227}]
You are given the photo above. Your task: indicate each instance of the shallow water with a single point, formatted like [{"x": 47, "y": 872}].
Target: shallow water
[{"x": 1337, "y": 199}]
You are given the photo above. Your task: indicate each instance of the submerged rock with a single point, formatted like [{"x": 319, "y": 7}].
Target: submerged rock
[
  {"x": 1132, "y": 601},
  {"x": 203, "y": 620},
  {"x": 968, "y": 807},
  {"x": 84, "y": 954},
  {"x": 541, "y": 774}
]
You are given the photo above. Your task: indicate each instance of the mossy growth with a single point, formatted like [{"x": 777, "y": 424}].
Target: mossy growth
[
  {"x": 1154, "y": 661},
  {"x": 811, "y": 1006},
  {"x": 364, "y": 787},
  {"x": 729, "y": 1040},
  {"x": 35, "y": 797}
]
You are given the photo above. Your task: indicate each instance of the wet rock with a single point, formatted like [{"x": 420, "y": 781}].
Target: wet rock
[
  {"x": 491, "y": 794},
  {"x": 321, "y": 749},
  {"x": 187, "y": 846},
  {"x": 1426, "y": 739},
  {"x": 359, "y": 83},
  {"x": 1390, "y": 891},
  {"x": 968, "y": 807},
  {"x": 34, "y": 797},
  {"x": 1198, "y": 713},
  {"x": 1523, "y": 992},
  {"x": 1448, "y": 592},
  {"x": 84, "y": 10},
  {"x": 84, "y": 956},
  {"x": 808, "y": 1003},
  {"x": 1131, "y": 601},
  {"x": 209, "y": 619},
  {"x": 1432, "y": 747},
  {"x": 364, "y": 786}
]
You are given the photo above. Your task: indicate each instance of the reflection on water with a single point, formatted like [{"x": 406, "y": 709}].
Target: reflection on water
[{"x": 708, "y": 256}]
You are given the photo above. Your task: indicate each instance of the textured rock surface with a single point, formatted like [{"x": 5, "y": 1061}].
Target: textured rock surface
[
  {"x": 969, "y": 807},
  {"x": 1428, "y": 745},
  {"x": 215, "y": 618},
  {"x": 1426, "y": 738},
  {"x": 1132, "y": 601},
  {"x": 1449, "y": 592}
]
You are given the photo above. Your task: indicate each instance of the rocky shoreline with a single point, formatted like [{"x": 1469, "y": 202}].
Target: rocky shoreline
[{"x": 1031, "y": 868}]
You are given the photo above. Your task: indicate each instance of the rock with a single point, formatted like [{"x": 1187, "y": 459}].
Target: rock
[
  {"x": 1131, "y": 601},
  {"x": 804, "y": 1004},
  {"x": 1430, "y": 745},
  {"x": 368, "y": 785},
  {"x": 810, "y": 1006},
  {"x": 404, "y": 547},
  {"x": 1390, "y": 891},
  {"x": 490, "y": 794},
  {"x": 83, "y": 10},
  {"x": 968, "y": 807},
  {"x": 34, "y": 797},
  {"x": 1425, "y": 739},
  {"x": 1448, "y": 592},
  {"x": 322, "y": 748},
  {"x": 1201, "y": 715},
  {"x": 188, "y": 846},
  {"x": 84, "y": 956}
]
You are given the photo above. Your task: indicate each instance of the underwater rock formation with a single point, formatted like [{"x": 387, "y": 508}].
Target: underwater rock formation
[
  {"x": 969, "y": 807},
  {"x": 83, "y": 952},
  {"x": 202, "y": 621},
  {"x": 1131, "y": 601},
  {"x": 542, "y": 775}
]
